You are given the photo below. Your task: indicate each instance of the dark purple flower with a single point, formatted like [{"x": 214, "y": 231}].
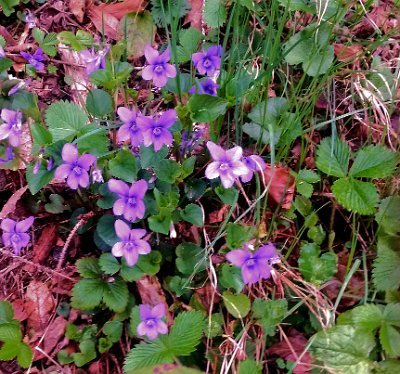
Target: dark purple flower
[
  {"x": 14, "y": 233},
  {"x": 130, "y": 129},
  {"x": 131, "y": 245},
  {"x": 158, "y": 70},
  {"x": 189, "y": 142},
  {"x": 226, "y": 164},
  {"x": 9, "y": 154},
  {"x": 12, "y": 126},
  {"x": 21, "y": 84},
  {"x": 93, "y": 60},
  {"x": 255, "y": 265},
  {"x": 130, "y": 199},
  {"x": 254, "y": 163},
  {"x": 36, "y": 59},
  {"x": 207, "y": 63},
  {"x": 155, "y": 131},
  {"x": 209, "y": 87},
  {"x": 152, "y": 323},
  {"x": 36, "y": 167},
  {"x": 50, "y": 163},
  {"x": 75, "y": 168}
]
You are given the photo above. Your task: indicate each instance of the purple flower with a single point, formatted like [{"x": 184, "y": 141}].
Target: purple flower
[
  {"x": 130, "y": 199},
  {"x": 254, "y": 163},
  {"x": 2, "y": 53},
  {"x": 152, "y": 323},
  {"x": 209, "y": 87},
  {"x": 12, "y": 126},
  {"x": 156, "y": 131},
  {"x": 36, "y": 59},
  {"x": 75, "y": 168},
  {"x": 190, "y": 141},
  {"x": 158, "y": 68},
  {"x": 50, "y": 163},
  {"x": 131, "y": 245},
  {"x": 255, "y": 265},
  {"x": 9, "y": 154},
  {"x": 93, "y": 60},
  {"x": 226, "y": 164},
  {"x": 130, "y": 129},
  {"x": 21, "y": 84},
  {"x": 30, "y": 20},
  {"x": 14, "y": 233},
  {"x": 97, "y": 176},
  {"x": 207, "y": 63}
]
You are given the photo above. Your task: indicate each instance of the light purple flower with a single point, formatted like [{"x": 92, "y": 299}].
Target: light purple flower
[
  {"x": 94, "y": 60},
  {"x": 2, "y": 53},
  {"x": 155, "y": 131},
  {"x": 131, "y": 245},
  {"x": 209, "y": 87},
  {"x": 30, "y": 20},
  {"x": 226, "y": 164},
  {"x": 152, "y": 323},
  {"x": 207, "y": 63},
  {"x": 130, "y": 199},
  {"x": 130, "y": 130},
  {"x": 9, "y": 154},
  {"x": 97, "y": 176},
  {"x": 14, "y": 233},
  {"x": 75, "y": 169},
  {"x": 36, "y": 59},
  {"x": 255, "y": 265},
  {"x": 12, "y": 126},
  {"x": 254, "y": 163},
  {"x": 158, "y": 70},
  {"x": 50, "y": 163},
  {"x": 21, "y": 84}
]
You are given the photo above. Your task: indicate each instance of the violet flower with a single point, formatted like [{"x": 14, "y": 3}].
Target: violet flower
[
  {"x": 14, "y": 233},
  {"x": 130, "y": 129},
  {"x": 36, "y": 59},
  {"x": 156, "y": 131},
  {"x": 255, "y": 265},
  {"x": 131, "y": 245},
  {"x": 158, "y": 70},
  {"x": 93, "y": 60},
  {"x": 254, "y": 163},
  {"x": 152, "y": 323},
  {"x": 2, "y": 53},
  {"x": 226, "y": 164},
  {"x": 9, "y": 154},
  {"x": 130, "y": 199},
  {"x": 21, "y": 84},
  {"x": 12, "y": 126},
  {"x": 207, "y": 63},
  {"x": 97, "y": 176},
  {"x": 209, "y": 87},
  {"x": 75, "y": 169}
]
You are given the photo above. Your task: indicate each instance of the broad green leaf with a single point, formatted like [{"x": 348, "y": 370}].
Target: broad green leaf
[
  {"x": 193, "y": 214},
  {"x": 5, "y": 63},
  {"x": 87, "y": 294},
  {"x": 389, "y": 337},
  {"x": 8, "y": 6},
  {"x": 10, "y": 331},
  {"x": 317, "y": 234},
  {"x": 37, "y": 181},
  {"x": 227, "y": 195},
  {"x": 109, "y": 264},
  {"x": 190, "y": 259},
  {"x": 314, "y": 267},
  {"x": 167, "y": 170},
  {"x": 357, "y": 196},
  {"x": 6, "y": 311},
  {"x": 162, "y": 221},
  {"x": 87, "y": 353},
  {"x": 367, "y": 316},
  {"x": 206, "y": 108},
  {"x": 391, "y": 314},
  {"x": 56, "y": 204},
  {"x": 108, "y": 198},
  {"x": 113, "y": 329},
  {"x": 188, "y": 166},
  {"x": 148, "y": 157},
  {"x": 237, "y": 235},
  {"x": 123, "y": 166},
  {"x": 308, "y": 176},
  {"x": 270, "y": 313},
  {"x": 40, "y": 134},
  {"x": 374, "y": 161},
  {"x": 231, "y": 277},
  {"x": 388, "y": 215},
  {"x": 213, "y": 326},
  {"x": 104, "y": 344},
  {"x": 257, "y": 132},
  {"x": 99, "y": 103},
  {"x": 105, "y": 229},
  {"x": 319, "y": 62},
  {"x": 65, "y": 119},
  {"x": 237, "y": 305},
  {"x": 9, "y": 350},
  {"x": 214, "y": 13},
  {"x": 389, "y": 366},
  {"x": 94, "y": 141},
  {"x": 249, "y": 366},
  {"x": 188, "y": 43},
  {"x": 333, "y": 157},
  {"x": 180, "y": 286},
  {"x": 89, "y": 268},
  {"x": 25, "y": 355},
  {"x": 150, "y": 264},
  {"x": 268, "y": 112},
  {"x": 116, "y": 295},
  {"x": 386, "y": 268}
]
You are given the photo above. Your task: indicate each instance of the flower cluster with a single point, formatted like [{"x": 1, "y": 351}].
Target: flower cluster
[
  {"x": 14, "y": 233},
  {"x": 35, "y": 59},
  {"x": 151, "y": 321}
]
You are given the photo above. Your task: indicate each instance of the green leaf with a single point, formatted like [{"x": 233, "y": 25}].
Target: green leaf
[
  {"x": 25, "y": 355},
  {"x": 374, "y": 161},
  {"x": 38, "y": 35},
  {"x": 87, "y": 294},
  {"x": 87, "y": 354},
  {"x": 94, "y": 141},
  {"x": 104, "y": 344},
  {"x": 40, "y": 134},
  {"x": 188, "y": 43},
  {"x": 206, "y": 108},
  {"x": 162, "y": 221},
  {"x": 257, "y": 132},
  {"x": 191, "y": 258},
  {"x": 89, "y": 268},
  {"x": 231, "y": 277},
  {"x": 10, "y": 331},
  {"x": 56, "y": 204},
  {"x": 319, "y": 62},
  {"x": 37, "y": 181},
  {"x": 237, "y": 235},
  {"x": 148, "y": 157},
  {"x": 123, "y": 166},
  {"x": 65, "y": 119},
  {"x": 108, "y": 198},
  {"x": 167, "y": 170},
  {"x": 138, "y": 30},
  {"x": 344, "y": 348},
  {"x": 390, "y": 340},
  {"x": 333, "y": 157},
  {"x": 193, "y": 214},
  {"x": 270, "y": 313},
  {"x": 354, "y": 195},
  {"x": 8, "y": 6},
  {"x": 106, "y": 231},
  {"x": 386, "y": 268},
  {"x": 249, "y": 366},
  {"x": 214, "y": 13},
  {"x": 368, "y": 317},
  {"x": 391, "y": 314},
  {"x": 317, "y": 234},
  {"x": 268, "y": 112},
  {"x": 99, "y": 103},
  {"x": 150, "y": 264},
  {"x": 6, "y": 311},
  {"x": 308, "y": 176},
  {"x": 314, "y": 267},
  {"x": 227, "y": 195},
  {"x": 116, "y": 295},
  {"x": 113, "y": 329},
  {"x": 237, "y": 305},
  {"x": 5, "y": 63},
  {"x": 388, "y": 215},
  {"x": 9, "y": 350},
  {"x": 109, "y": 264},
  {"x": 188, "y": 166}
]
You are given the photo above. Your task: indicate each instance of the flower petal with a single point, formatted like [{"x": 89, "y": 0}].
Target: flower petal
[
  {"x": 123, "y": 133},
  {"x": 227, "y": 180},
  {"x": 4, "y": 131},
  {"x": 217, "y": 152},
  {"x": 167, "y": 119},
  {"x": 122, "y": 230},
  {"x": 118, "y": 187},
  {"x": 143, "y": 247},
  {"x": 165, "y": 56},
  {"x": 148, "y": 73},
  {"x": 249, "y": 275},
  {"x": 117, "y": 250},
  {"x": 158, "y": 311},
  {"x": 160, "y": 80},
  {"x": 145, "y": 312},
  {"x": 137, "y": 234},
  {"x": 138, "y": 189},
  {"x": 212, "y": 170},
  {"x": 63, "y": 171},
  {"x": 24, "y": 225},
  {"x": 8, "y": 225},
  {"x": 267, "y": 251},
  {"x": 238, "y": 257},
  {"x": 69, "y": 153},
  {"x": 83, "y": 179},
  {"x": 125, "y": 114},
  {"x": 119, "y": 207},
  {"x": 131, "y": 257},
  {"x": 151, "y": 54},
  {"x": 235, "y": 153},
  {"x": 72, "y": 181},
  {"x": 170, "y": 70},
  {"x": 239, "y": 168},
  {"x": 162, "y": 327},
  {"x": 86, "y": 161}
]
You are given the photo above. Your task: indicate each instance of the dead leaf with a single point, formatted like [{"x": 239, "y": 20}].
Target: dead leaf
[
  {"x": 19, "y": 310},
  {"x": 9, "y": 206},
  {"x": 39, "y": 305},
  {"x": 347, "y": 53},
  {"x": 77, "y": 8},
  {"x": 54, "y": 334},
  {"x": 218, "y": 215},
  {"x": 45, "y": 243},
  {"x": 195, "y": 15},
  {"x": 281, "y": 190}
]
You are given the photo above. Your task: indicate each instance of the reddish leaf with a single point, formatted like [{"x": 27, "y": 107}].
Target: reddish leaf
[
  {"x": 195, "y": 15},
  {"x": 9, "y": 206},
  {"x": 347, "y": 53},
  {"x": 43, "y": 246},
  {"x": 77, "y": 8},
  {"x": 281, "y": 190},
  {"x": 54, "y": 334}
]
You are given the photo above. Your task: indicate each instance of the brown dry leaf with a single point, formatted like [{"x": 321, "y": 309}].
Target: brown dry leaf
[
  {"x": 39, "y": 305},
  {"x": 45, "y": 243},
  {"x": 298, "y": 343},
  {"x": 19, "y": 310},
  {"x": 218, "y": 215},
  {"x": 347, "y": 53},
  {"x": 282, "y": 185},
  {"x": 195, "y": 15},
  {"x": 54, "y": 334},
  {"x": 77, "y": 8},
  {"x": 9, "y": 206}
]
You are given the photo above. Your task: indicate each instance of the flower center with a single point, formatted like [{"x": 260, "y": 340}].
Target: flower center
[
  {"x": 150, "y": 323},
  {"x": 159, "y": 69},
  {"x": 77, "y": 170},
  {"x": 16, "y": 126},
  {"x": 132, "y": 200},
  {"x": 132, "y": 126},
  {"x": 15, "y": 238},
  {"x": 224, "y": 166},
  {"x": 129, "y": 246},
  {"x": 157, "y": 131},
  {"x": 251, "y": 262},
  {"x": 207, "y": 62}
]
